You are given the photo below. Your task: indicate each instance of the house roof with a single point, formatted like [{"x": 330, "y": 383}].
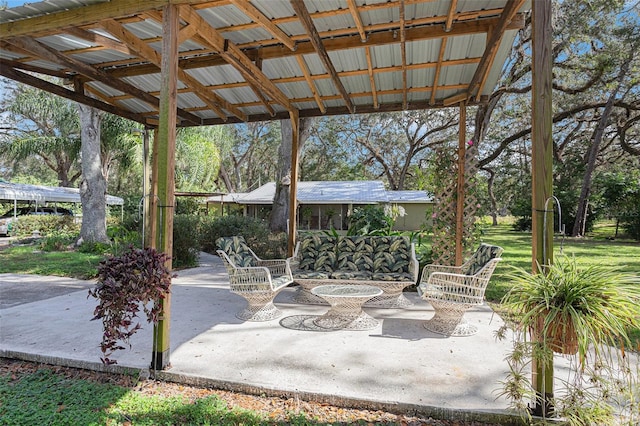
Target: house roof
[
  {"x": 260, "y": 60},
  {"x": 333, "y": 192},
  {"x": 41, "y": 194}
]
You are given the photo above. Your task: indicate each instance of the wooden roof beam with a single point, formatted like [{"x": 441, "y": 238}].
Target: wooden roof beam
[
  {"x": 47, "y": 53},
  {"x": 403, "y": 50},
  {"x": 150, "y": 54},
  {"x": 493, "y": 43},
  {"x": 266, "y": 23},
  {"x": 436, "y": 77},
  {"x": 310, "y": 83},
  {"x": 357, "y": 19},
  {"x": 316, "y": 42},
  {"x": 342, "y": 43},
  {"x": 105, "y": 42},
  {"x": 372, "y": 80},
  {"x": 234, "y": 56},
  {"x": 7, "y": 71},
  {"x": 450, "y": 15}
]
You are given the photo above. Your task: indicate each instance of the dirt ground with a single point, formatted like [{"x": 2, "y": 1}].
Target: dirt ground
[{"x": 274, "y": 408}]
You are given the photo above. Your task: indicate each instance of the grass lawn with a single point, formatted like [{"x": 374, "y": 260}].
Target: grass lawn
[
  {"x": 33, "y": 394},
  {"x": 517, "y": 252},
  {"x": 30, "y": 260}
]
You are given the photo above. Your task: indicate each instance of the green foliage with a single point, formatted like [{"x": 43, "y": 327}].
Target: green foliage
[
  {"x": 256, "y": 232},
  {"x": 58, "y": 241},
  {"x": 24, "y": 226},
  {"x": 136, "y": 278},
  {"x": 186, "y": 229},
  {"x": 367, "y": 220},
  {"x": 597, "y": 306}
]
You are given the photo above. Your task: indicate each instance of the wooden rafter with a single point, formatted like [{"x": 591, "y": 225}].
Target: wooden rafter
[
  {"x": 492, "y": 45},
  {"x": 403, "y": 50},
  {"x": 450, "y": 15},
  {"x": 213, "y": 101},
  {"x": 436, "y": 77},
  {"x": 352, "y": 73},
  {"x": 7, "y": 71},
  {"x": 372, "y": 80},
  {"x": 316, "y": 42},
  {"x": 52, "y": 55},
  {"x": 342, "y": 43},
  {"x": 255, "y": 14},
  {"x": 32, "y": 68},
  {"x": 104, "y": 42},
  {"x": 355, "y": 14},
  {"x": 234, "y": 56},
  {"x": 312, "y": 86}
]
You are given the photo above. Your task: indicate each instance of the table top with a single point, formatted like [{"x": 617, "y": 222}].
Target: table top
[{"x": 346, "y": 290}]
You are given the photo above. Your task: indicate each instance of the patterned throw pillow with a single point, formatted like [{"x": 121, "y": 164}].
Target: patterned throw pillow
[
  {"x": 317, "y": 253},
  {"x": 480, "y": 258},
  {"x": 392, "y": 254},
  {"x": 355, "y": 254},
  {"x": 237, "y": 250}
]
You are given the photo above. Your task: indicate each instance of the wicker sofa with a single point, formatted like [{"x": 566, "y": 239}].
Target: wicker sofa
[{"x": 387, "y": 262}]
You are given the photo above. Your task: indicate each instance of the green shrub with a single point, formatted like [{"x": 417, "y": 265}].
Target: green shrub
[
  {"x": 185, "y": 240},
  {"x": 58, "y": 241},
  {"x": 24, "y": 226}
]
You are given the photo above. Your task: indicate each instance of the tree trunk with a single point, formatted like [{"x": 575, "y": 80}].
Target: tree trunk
[
  {"x": 492, "y": 196},
  {"x": 580, "y": 224},
  {"x": 93, "y": 186},
  {"x": 280, "y": 209}
]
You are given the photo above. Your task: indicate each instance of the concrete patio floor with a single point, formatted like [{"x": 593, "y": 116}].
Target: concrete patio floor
[{"x": 398, "y": 366}]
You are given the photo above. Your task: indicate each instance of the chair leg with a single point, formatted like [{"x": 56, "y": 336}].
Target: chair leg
[
  {"x": 449, "y": 320},
  {"x": 259, "y": 308}
]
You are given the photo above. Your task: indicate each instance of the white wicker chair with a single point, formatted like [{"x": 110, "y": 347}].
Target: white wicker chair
[
  {"x": 256, "y": 280},
  {"x": 453, "y": 290}
]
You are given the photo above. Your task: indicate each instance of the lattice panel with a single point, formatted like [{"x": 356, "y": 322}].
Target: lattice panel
[{"x": 445, "y": 200}]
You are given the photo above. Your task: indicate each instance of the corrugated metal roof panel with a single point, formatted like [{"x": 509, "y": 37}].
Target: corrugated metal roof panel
[
  {"x": 386, "y": 56},
  {"x": 30, "y": 10},
  {"x": 281, "y": 68},
  {"x": 136, "y": 105},
  {"x": 107, "y": 90},
  {"x": 224, "y": 16},
  {"x": 211, "y": 76},
  {"x": 101, "y": 56},
  {"x": 324, "y": 192}
]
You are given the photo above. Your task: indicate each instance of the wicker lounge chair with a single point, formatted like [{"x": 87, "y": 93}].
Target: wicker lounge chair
[
  {"x": 452, "y": 290},
  {"x": 255, "y": 279}
]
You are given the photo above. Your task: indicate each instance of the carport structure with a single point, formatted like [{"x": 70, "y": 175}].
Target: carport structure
[{"x": 168, "y": 63}]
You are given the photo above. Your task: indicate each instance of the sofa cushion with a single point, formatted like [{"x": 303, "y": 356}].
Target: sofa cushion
[
  {"x": 480, "y": 258},
  {"x": 351, "y": 275},
  {"x": 310, "y": 275},
  {"x": 392, "y": 254},
  {"x": 317, "y": 253},
  {"x": 355, "y": 253},
  {"x": 392, "y": 276},
  {"x": 237, "y": 250}
]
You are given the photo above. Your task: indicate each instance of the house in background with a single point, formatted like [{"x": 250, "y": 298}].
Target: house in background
[{"x": 327, "y": 204}]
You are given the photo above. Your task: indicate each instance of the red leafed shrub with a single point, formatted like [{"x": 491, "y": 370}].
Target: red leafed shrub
[{"x": 137, "y": 279}]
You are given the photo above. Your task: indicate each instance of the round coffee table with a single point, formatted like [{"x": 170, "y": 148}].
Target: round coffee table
[{"x": 346, "y": 306}]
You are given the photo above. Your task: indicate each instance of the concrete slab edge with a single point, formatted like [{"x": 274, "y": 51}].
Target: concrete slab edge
[{"x": 499, "y": 417}]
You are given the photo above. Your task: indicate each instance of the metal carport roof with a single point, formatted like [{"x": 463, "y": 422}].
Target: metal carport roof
[{"x": 42, "y": 194}]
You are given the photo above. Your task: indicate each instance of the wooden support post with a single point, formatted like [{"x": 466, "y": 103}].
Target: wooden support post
[
  {"x": 460, "y": 193},
  {"x": 147, "y": 190},
  {"x": 293, "y": 187},
  {"x": 166, "y": 169},
  {"x": 542, "y": 175}
]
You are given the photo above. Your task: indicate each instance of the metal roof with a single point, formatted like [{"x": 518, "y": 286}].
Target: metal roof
[
  {"x": 41, "y": 194},
  {"x": 259, "y": 60},
  {"x": 332, "y": 192}
]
